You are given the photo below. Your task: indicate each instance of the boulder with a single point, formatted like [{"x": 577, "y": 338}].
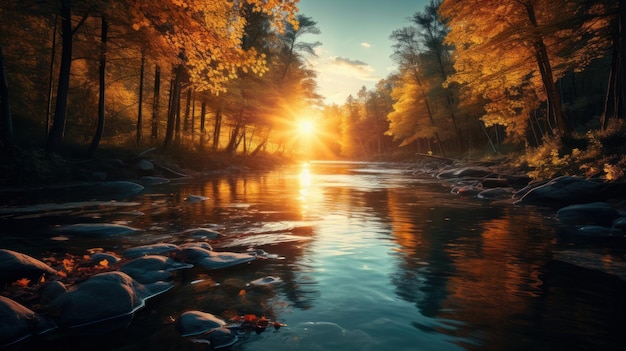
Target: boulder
[
  {"x": 595, "y": 213},
  {"x": 15, "y": 265},
  {"x": 102, "y": 303},
  {"x": 152, "y": 268},
  {"x": 196, "y": 322},
  {"x": 18, "y": 323},
  {"x": 565, "y": 190}
]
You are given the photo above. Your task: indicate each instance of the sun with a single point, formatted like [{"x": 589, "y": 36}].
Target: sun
[{"x": 306, "y": 127}]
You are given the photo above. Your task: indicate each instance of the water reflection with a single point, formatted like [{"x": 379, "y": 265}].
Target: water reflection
[{"x": 370, "y": 258}]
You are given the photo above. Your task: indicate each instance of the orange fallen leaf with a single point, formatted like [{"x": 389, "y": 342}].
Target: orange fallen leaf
[
  {"x": 22, "y": 282},
  {"x": 103, "y": 264}
]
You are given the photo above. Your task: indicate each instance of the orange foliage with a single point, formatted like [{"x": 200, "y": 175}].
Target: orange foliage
[
  {"x": 207, "y": 35},
  {"x": 497, "y": 50}
]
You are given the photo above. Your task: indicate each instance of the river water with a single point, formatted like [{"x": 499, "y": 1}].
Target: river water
[{"x": 370, "y": 257}]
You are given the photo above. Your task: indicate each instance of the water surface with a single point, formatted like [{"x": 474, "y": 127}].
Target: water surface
[{"x": 371, "y": 257}]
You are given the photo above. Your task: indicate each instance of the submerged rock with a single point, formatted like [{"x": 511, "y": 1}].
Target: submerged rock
[
  {"x": 205, "y": 233},
  {"x": 15, "y": 265},
  {"x": 265, "y": 281},
  {"x": 18, "y": 323},
  {"x": 192, "y": 323},
  {"x": 102, "y": 303},
  {"x": 213, "y": 259},
  {"x": 152, "y": 249},
  {"x": 96, "y": 229},
  {"x": 595, "y": 213},
  {"x": 466, "y": 172},
  {"x": 152, "y": 268},
  {"x": 218, "y": 338}
]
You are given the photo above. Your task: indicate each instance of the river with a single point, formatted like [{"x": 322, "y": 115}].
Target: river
[{"x": 370, "y": 256}]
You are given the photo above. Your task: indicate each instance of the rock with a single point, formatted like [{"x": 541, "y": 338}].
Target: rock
[
  {"x": 195, "y": 198},
  {"x": 619, "y": 223},
  {"x": 467, "y": 190},
  {"x": 150, "y": 180},
  {"x": 596, "y": 231},
  {"x": 102, "y": 303},
  {"x": 144, "y": 165},
  {"x": 96, "y": 229},
  {"x": 595, "y": 213},
  {"x": 213, "y": 259},
  {"x": 496, "y": 193},
  {"x": 218, "y": 338},
  {"x": 205, "y": 233},
  {"x": 152, "y": 268},
  {"x": 269, "y": 280},
  {"x": 565, "y": 190},
  {"x": 50, "y": 291},
  {"x": 201, "y": 244},
  {"x": 15, "y": 265},
  {"x": 196, "y": 322},
  {"x": 494, "y": 183},
  {"x": 18, "y": 323},
  {"x": 153, "y": 249},
  {"x": 466, "y": 172}
]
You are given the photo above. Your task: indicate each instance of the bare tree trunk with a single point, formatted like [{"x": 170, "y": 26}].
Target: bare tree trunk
[
  {"x": 174, "y": 104},
  {"x": 218, "y": 128},
  {"x": 6, "y": 125},
  {"x": 193, "y": 115},
  {"x": 140, "y": 103},
  {"x": 103, "y": 60},
  {"x": 51, "y": 75},
  {"x": 187, "y": 110},
  {"x": 202, "y": 117},
  {"x": 55, "y": 137},
  {"x": 156, "y": 102},
  {"x": 615, "y": 99}
]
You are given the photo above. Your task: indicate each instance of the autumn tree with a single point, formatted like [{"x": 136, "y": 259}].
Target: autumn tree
[
  {"x": 512, "y": 52},
  {"x": 207, "y": 37}
]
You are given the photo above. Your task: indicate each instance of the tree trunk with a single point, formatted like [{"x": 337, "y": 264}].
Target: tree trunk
[
  {"x": 140, "y": 107},
  {"x": 202, "y": 117},
  {"x": 156, "y": 102},
  {"x": 218, "y": 128},
  {"x": 187, "y": 110},
  {"x": 193, "y": 115},
  {"x": 51, "y": 75},
  {"x": 234, "y": 142},
  {"x": 174, "y": 104},
  {"x": 545, "y": 68},
  {"x": 103, "y": 59},
  {"x": 55, "y": 137},
  {"x": 6, "y": 124},
  {"x": 615, "y": 99}
]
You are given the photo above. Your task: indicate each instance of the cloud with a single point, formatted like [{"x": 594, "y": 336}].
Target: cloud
[
  {"x": 366, "y": 45},
  {"x": 347, "y": 61},
  {"x": 338, "y": 77}
]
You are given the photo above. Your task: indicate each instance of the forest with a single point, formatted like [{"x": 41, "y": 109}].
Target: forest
[{"x": 539, "y": 83}]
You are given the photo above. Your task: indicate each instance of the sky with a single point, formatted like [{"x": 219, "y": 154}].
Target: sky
[{"x": 356, "y": 49}]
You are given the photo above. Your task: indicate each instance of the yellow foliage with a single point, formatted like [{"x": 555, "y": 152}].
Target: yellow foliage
[{"x": 207, "y": 35}]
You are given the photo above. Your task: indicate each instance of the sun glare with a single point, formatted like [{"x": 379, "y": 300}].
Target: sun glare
[{"x": 306, "y": 127}]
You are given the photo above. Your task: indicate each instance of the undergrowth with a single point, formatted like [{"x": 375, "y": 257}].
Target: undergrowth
[{"x": 597, "y": 154}]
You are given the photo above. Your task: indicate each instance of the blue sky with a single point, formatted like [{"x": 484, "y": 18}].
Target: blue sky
[{"x": 355, "y": 48}]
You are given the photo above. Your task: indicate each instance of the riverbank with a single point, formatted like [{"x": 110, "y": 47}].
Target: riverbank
[
  {"x": 35, "y": 167},
  {"x": 589, "y": 213}
]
